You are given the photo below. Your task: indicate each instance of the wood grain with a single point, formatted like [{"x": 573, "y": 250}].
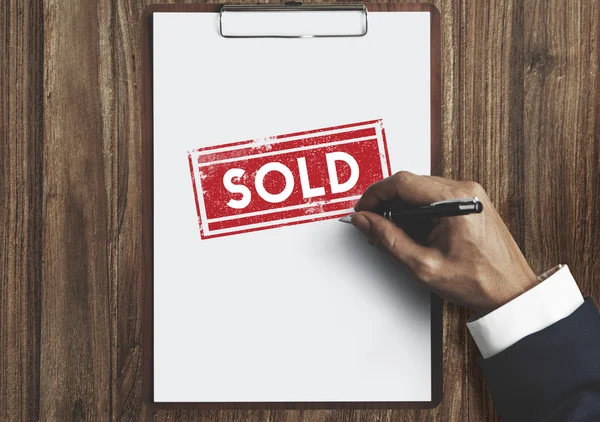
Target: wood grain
[
  {"x": 78, "y": 251},
  {"x": 562, "y": 137},
  {"x": 21, "y": 114},
  {"x": 521, "y": 114}
]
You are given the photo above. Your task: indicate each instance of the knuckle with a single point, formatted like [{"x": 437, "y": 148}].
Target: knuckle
[
  {"x": 402, "y": 176},
  {"x": 474, "y": 188},
  {"x": 468, "y": 189},
  {"x": 427, "y": 269},
  {"x": 459, "y": 192},
  {"x": 387, "y": 239}
]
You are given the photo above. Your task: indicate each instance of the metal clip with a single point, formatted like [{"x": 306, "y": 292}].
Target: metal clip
[
  {"x": 293, "y": 6},
  {"x": 474, "y": 200}
]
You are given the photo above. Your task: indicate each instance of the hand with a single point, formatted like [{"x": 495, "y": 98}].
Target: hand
[{"x": 471, "y": 260}]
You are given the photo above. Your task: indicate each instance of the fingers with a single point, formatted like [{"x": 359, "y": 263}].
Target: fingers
[
  {"x": 407, "y": 187},
  {"x": 382, "y": 232}
]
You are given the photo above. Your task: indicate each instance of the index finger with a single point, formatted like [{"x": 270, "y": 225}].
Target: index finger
[{"x": 406, "y": 187}]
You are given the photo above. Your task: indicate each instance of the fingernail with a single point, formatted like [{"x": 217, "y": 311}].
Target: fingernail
[{"x": 362, "y": 224}]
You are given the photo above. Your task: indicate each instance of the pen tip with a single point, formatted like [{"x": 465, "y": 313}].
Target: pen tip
[{"x": 346, "y": 219}]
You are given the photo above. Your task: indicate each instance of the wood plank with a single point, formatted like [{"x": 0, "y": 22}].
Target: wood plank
[
  {"x": 78, "y": 238},
  {"x": 126, "y": 50},
  {"x": 21, "y": 113},
  {"x": 490, "y": 143},
  {"x": 562, "y": 138}
]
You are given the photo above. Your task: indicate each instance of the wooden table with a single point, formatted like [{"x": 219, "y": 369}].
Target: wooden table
[{"x": 521, "y": 115}]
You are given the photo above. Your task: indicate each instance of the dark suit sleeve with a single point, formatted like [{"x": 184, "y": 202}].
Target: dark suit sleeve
[{"x": 551, "y": 375}]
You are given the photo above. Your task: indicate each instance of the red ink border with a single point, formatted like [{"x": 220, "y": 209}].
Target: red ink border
[{"x": 307, "y": 133}]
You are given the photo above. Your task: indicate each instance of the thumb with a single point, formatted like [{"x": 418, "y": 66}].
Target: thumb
[{"x": 384, "y": 233}]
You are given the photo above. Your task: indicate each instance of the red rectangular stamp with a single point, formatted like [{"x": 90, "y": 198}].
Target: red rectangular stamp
[{"x": 287, "y": 179}]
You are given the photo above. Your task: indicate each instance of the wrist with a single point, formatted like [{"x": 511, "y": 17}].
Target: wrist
[{"x": 509, "y": 288}]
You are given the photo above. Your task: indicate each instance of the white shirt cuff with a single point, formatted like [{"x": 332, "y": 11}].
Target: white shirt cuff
[{"x": 543, "y": 305}]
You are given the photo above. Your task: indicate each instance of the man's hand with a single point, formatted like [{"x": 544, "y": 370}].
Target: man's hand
[{"x": 471, "y": 260}]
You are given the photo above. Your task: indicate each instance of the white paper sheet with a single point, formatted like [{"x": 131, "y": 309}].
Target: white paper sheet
[{"x": 301, "y": 313}]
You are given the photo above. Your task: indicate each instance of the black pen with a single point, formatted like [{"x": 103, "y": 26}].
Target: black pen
[{"x": 448, "y": 208}]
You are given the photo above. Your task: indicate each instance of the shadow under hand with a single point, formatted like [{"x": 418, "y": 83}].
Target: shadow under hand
[{"x": 393, "y": 279}]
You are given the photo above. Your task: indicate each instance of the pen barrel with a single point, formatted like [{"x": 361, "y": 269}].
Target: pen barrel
[{"x": 438, "y": 211}]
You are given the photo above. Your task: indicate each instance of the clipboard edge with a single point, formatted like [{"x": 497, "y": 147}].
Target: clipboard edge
[{"x": 147, "y": 188}]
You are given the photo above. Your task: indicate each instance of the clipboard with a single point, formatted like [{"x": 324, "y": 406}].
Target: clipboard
[{"x": 149, "y": 181}]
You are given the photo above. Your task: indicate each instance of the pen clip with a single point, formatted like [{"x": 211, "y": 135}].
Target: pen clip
[{"x": 456, "y": 201}]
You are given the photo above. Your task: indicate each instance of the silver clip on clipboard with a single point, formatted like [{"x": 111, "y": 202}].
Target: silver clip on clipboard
[{"x": 293, "y": 20}]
